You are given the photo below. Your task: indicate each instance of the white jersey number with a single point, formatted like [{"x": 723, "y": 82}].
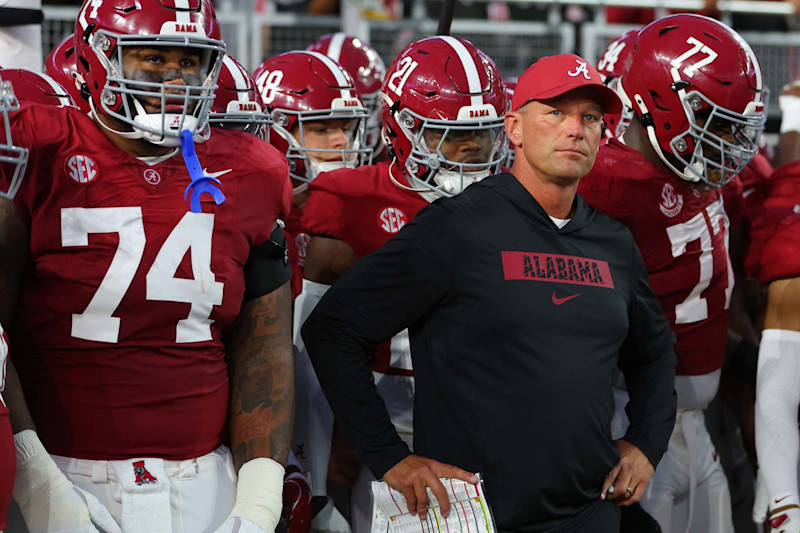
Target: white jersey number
[
  {"x": 702, "y": 226},
  {"x": 192, "y": 234}
]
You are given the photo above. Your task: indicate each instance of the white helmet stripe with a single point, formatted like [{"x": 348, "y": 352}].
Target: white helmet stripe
[
  {"x": 182, "y": 17},
  {"x": 336, "y": 70},
  {"x": 470, "y": 68},
  {"x": 57, "y": 88},
  {"x": 335, "y": 46},
  {"x": 239, "y": 80}
]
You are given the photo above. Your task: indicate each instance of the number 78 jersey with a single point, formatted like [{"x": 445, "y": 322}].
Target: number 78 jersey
[
  {"x": 122, "y": 310},
  {"x": 682, "y": 234}
]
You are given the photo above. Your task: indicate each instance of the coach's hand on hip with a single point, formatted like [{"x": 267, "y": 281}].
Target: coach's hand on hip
[
  {"x": 413, "y": 474},
  {"x": 627, "y": 481}
]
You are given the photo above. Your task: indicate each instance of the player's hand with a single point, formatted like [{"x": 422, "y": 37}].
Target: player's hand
[
  {"x": 48, "y": 500},
  {"x": 627, "y": 481},
  {"x": 414, "y": 474},
  {"x": 235, "y": 524},
  {"x": 345, "y": 462},
  {"x": 783, "y": 520},
  {"x": 296, "y": 501}
]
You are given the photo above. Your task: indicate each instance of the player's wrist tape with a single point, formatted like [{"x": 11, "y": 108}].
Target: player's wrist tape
[
  {"x": 259, "y": 493},
  {"x": 790, "y": 113},
  {"x": 35, "y": 468}
]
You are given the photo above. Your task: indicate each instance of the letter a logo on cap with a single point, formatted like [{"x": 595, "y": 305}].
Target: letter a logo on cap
[{"x": 580, "y": 69}]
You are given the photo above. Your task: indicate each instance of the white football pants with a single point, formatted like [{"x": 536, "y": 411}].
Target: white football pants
[
  {"x": 158, "y": 496},
  {"x": 689, "y": 491}
]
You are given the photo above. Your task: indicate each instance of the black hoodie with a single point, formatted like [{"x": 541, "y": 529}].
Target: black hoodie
[{"x": 516, "y": 328}]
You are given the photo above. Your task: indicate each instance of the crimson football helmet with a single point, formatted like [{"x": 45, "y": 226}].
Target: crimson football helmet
[
  {"x": 439, "y": 93},
  {"x": 13, "y": 159},
  {"x": 60, "y": 65},
  {"x": 301, "y": 87},
  {"x": 237, "y": 104},
  {"x": 105, "y": 30},
  {"x": 610, "y": 66},
  {"x": 367, "y": 69},
  {"x": 696, "y": 87},
  {"x": 37, "y": 88}
]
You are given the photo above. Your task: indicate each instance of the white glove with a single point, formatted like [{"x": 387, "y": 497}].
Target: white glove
[
  {"x": 259, "y": 498},
  {"x": 48, "y": 500},
  {"x": 786, "y": 521},
  {"x": 239, "y": 525}
]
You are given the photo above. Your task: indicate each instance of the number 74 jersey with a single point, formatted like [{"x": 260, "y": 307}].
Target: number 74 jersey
[
  {"x": 122, "y": 310},
  {"x": 682, "y": 233}
]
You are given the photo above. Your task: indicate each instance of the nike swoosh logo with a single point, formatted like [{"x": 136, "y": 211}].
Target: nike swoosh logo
[
  {"x": 559, "y": 301},
  {"x": 216, "y": 174},
  {"x": 777, "y": 500}
]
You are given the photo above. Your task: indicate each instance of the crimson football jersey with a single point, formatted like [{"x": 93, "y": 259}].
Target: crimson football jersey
[
  {"x": 781, "y": 200},
  {"x": 122, "y": 311},
  {"x": 296, "y": 244},
  {"x": 8, "y": 459},
  {"x": 363, "y": 208},
  {"x": 682, "y": 234}
]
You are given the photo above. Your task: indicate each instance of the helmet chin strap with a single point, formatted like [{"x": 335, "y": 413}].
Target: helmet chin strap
[
  {"x": 153, "y": 120},
  {"x": 452, "y": 182}
]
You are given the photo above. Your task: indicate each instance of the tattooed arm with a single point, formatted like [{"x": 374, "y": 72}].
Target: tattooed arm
[
  {"x": 13, "y": 253},
  {"x": 262, "y": 378}
]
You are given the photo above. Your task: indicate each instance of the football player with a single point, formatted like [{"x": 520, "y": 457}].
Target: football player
[
  {"x": 610, "y": 66},
  {"x": 368, "y": 70},
  {"x": 12, "y": 248},
  {"x": 696, "y": 91},
  {"x": 320, "y": 124},
  {"x": 60, "y": 65},
  {"x": 151, "y": 236},
  {"x": 773, "y": 259},
  {"x": 237, "y": 104},
  {"x": 443, "y": 108}
]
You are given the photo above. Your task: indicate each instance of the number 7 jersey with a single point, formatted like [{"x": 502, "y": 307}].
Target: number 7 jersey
[
  {"x": 682, "y": 234},
  {"x": 118, "y": 335}
]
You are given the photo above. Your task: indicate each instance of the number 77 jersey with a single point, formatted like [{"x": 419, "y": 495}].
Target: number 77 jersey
[
  {"x": 121, "y": 313},
  {"x": 682, "y": 233}
]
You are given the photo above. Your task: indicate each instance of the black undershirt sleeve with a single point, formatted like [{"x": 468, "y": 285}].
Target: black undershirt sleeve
[
  {"x": 383, "y": 293},
  {"x": 268, "y": 267},
  {"x": 647, "y": 360}
]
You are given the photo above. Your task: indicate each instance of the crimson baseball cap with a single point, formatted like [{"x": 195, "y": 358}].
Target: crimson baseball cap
[{"x": 553, "y": 76}]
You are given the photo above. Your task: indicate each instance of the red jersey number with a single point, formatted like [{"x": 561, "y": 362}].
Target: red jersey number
[
  {"x": 705, "y": 226},
  {"x": 193, "y": 232}
]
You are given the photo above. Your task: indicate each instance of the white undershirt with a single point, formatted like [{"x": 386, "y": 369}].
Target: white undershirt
[{"x": 560, "y": 222}]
